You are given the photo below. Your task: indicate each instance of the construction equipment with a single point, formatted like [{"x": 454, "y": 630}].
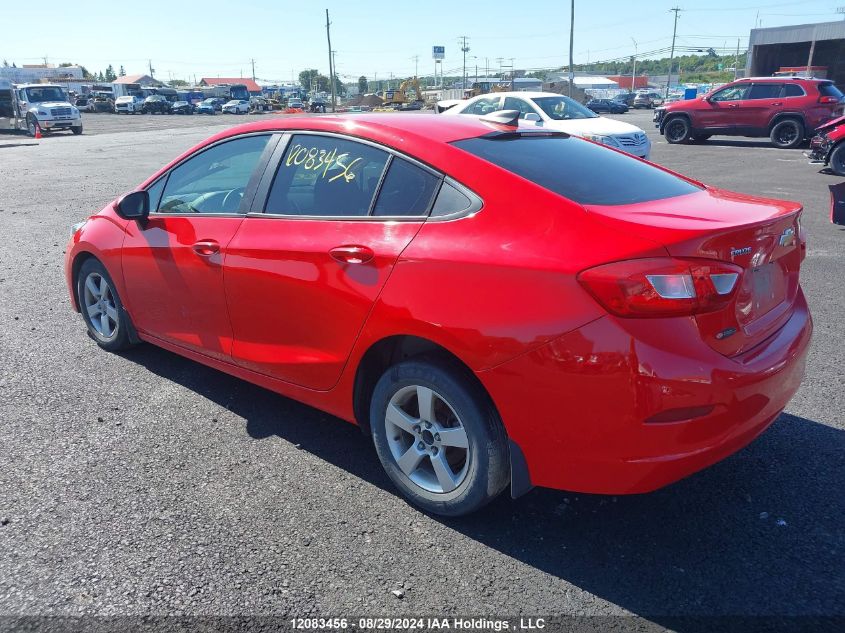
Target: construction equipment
[{"x": 400, "y": 95}]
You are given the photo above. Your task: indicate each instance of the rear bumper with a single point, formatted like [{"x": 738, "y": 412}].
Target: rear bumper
[{"x": 579, "y": 407}]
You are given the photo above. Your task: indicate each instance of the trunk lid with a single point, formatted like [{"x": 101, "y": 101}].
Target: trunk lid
[{"x": 760, "y": 235}]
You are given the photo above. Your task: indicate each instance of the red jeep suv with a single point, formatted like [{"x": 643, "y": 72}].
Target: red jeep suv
[{"x": 786, "y": 109}]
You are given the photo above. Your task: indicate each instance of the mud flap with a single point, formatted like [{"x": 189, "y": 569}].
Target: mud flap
[
  {"x": 520, "y": 479},
  {"x": 837, "y": 203}
]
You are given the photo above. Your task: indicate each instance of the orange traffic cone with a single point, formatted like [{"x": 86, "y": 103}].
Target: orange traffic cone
[{"x": 37, "y": 130}]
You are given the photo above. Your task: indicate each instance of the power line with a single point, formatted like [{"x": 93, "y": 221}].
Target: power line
[{"x": 464, "y": 50}]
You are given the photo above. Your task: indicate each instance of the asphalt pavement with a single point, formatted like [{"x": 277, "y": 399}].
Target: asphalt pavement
[{"x": 146, "y": 484}]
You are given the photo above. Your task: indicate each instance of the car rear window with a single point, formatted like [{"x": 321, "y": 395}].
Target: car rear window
[
  {"x": 576, "y": 169},
  {"x": 829, "y": 90}
]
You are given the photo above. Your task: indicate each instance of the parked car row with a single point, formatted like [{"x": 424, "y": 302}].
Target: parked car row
[{"x": 158, "y": 104}]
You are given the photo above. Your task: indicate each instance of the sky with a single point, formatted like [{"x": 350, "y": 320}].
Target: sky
[{"x": 376, "y": 38}]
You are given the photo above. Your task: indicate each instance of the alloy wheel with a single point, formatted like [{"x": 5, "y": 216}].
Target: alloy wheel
[
  {"x": 787, "y": 134},
  {"x": 427, "y": 439},
  {"x": 676, "y": 130},
  {"x": 100, "y": 305}
]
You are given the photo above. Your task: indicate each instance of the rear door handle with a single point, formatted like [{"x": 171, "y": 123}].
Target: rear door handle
[
  {"x": 733, "y": 105},
  {"x": 352, "y": 254},
  {"x": 778, "y": 103},
  {"x": 206, "y": 248}
]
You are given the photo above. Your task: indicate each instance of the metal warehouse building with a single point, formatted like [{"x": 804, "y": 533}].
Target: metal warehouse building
[{"x": 820, "y": 44}]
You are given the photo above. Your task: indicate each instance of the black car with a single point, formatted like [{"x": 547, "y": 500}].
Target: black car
[
  {"x": 156, "y": 103},
  {"x": 181, "y": 107},
  {"x": 626, "y": 97},
  {"x": 607, "y": 105}
]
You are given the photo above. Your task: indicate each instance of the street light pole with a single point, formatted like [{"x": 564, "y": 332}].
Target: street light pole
[{"x": 672, "y": 54}]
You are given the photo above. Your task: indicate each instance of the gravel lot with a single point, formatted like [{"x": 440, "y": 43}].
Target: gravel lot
[{"x": 147, "y": 484}]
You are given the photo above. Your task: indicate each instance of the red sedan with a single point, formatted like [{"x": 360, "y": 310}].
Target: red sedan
[{"x": 495, "y": 306}]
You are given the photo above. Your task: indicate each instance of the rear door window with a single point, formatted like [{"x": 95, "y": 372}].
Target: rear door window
[
  {"x": 520, "y": 105},
  {"x": 767, "y": 90},
  {"x": 326, "y": 176},
  {"x": 483, "y": 106},
  {"x": 578, "y": 170}
]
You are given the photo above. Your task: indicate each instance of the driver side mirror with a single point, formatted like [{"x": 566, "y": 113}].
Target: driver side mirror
[
  {"x": 532, "y": 116},
  {"x": 134, "y": 206}
]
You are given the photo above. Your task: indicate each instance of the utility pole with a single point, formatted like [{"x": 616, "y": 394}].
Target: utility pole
[
  {"x": 151, "y": 67},
  {"x": 331, "y": 63},
  {"x": 571, "y": 46},
  {"x": 416, "y": 59},
  {"x": 736, "y": 60},
  {"x": 634, "y": 72},
  {"x": 252, "y": 61},
  {"x": 677, "y": 10},
  {"x": 464, "y": 50}
]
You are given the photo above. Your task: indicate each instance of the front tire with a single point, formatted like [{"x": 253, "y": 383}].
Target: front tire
[
  {"x": 439, "y": 437},
  {"x": 836, "y": 161},
  {"x": 787, "y": 134},
  {"x": 31, "y": 125},
  {"x": 77, "y": 130},
  {"x": 101, "y": 307},
  {"x": 677, "y": 130}
]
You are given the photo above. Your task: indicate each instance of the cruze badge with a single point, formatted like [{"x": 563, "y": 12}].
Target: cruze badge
[
  {"x": 735, "y": 252},
  {"x": 787, "y": 237}
]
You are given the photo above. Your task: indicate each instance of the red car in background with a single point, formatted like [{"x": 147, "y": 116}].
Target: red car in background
[
  {"x": 496, "y": 306},
  {"x": 786, "y": 109}
]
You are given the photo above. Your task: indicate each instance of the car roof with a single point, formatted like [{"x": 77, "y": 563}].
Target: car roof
[
  {"x": 517, "y": 93},
  {"x": 392, "y": 129},
  {"x": 780, "y": 79}
]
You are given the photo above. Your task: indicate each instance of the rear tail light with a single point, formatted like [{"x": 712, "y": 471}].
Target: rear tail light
[
  {"x": 659, "y": 287},
  {"x": 828, "y": 100}
]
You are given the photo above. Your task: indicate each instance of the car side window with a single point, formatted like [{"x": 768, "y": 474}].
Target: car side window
[
  {"x": 733, "y": 93},
  {"x": 512, "y": 103},
  {"x": 326, "y": 176},
  {"x": 406, "y": 190},
  {"x": 793, "y": 90},
  {"x": 483, "y": 106},
  {"x": 154, "y": 191},
  {"x": 766, "y": 90},
  {"x": 214, "y": 180}
]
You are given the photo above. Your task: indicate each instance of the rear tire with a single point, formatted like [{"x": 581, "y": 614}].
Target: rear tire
[
  {"x": 787, "y": 134},
  {"x": 101, "y": 307},
  {"x": 836, "y": 161},
  {"x": 677, "y": 130},
  {"x": 439, "y": 437}
]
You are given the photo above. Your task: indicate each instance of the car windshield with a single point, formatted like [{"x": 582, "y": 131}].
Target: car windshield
[
  {"x": 48, "y": 93},
  {"x": 563, "y": 108},
  {"x": 208, "y": 102},
  {"x": 576, "y": 169}
]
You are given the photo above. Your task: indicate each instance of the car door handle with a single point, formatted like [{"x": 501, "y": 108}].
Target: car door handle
[
  {"x": 352, "y": 254},
  {"x": 206, "y": 248},
  {"x": 778, "y": 103},
  {"x": 733, "y": 105}
]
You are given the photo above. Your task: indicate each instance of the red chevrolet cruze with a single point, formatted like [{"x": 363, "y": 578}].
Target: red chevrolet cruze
[{"x": 494, "y": 305}]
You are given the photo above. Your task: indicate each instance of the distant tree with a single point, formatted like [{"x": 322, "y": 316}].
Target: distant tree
[
  {"x": 322, "y": 83},
  {"x": 14, "y": 65},
  {"x": 121, "y": 72},
  {"x": 5, "y": 64},
  {"x": 362, "y": 84},
  {"x": 306, "y": 77},
  {"x": 66, "y": 65},
  {"x": 110, "y": 76},
  {"x": 178, "y": 82}
]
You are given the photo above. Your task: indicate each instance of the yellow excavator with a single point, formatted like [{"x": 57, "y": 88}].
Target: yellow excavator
[{"x": 400, "y": 96}]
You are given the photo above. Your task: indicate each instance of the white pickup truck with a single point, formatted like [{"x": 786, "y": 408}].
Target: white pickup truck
[{"x": 45, "y": 105}]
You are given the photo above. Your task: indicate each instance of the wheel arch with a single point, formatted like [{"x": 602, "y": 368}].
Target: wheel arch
[
  {"x": 390, "y": 350},
  {"x": 80, "y": 258},
  {"x": 674, "y": 115},
  {"x": 781, "y": 116}
]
